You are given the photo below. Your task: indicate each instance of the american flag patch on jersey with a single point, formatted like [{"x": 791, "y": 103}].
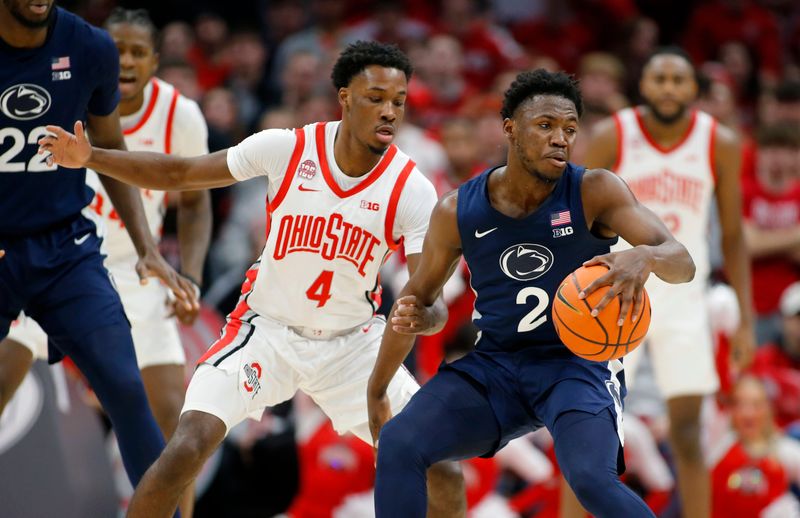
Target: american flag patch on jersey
[
  {"x": 560, "y": 218},
  {"x": 61, "y": 63}
]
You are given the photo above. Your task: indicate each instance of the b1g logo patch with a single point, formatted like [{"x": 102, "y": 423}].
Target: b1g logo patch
[
  {"x": 25, "y": 102},
  {"x": 252, "y": 384},
  {"x": 307, "y": 169},
  {"x": 563, "y": 231},
  {"x": 526, "y": 261}
]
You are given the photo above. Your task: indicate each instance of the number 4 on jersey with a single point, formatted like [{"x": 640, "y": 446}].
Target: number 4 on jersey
[{"x": 320, "y": 289}]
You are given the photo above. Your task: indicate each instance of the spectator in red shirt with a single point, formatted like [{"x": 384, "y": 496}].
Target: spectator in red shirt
[
  {"x": 772, "y": 220},
  {"x": 744, "y": 21},
  {"x": 442, "y": 88},
  {"x": 753, "y": 462},
  {"x": 488, "y": 48},
  {"x": 778, "y": 363}
]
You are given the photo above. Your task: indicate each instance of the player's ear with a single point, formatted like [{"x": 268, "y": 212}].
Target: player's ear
[
  {"x": 508, "y": 128},
  {"x": 344, "y": 98}
]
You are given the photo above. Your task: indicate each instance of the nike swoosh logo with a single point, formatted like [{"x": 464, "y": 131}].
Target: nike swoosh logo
[
  {"x": 481, "y": 234},
  {"x": 80, "y": 240},
  {"x": 306, "y": 189}
]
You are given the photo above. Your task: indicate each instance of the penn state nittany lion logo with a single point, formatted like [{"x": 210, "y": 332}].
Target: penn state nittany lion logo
[
  {"x": 526, "y": 261},
  {"x": 25, "y": 102}
]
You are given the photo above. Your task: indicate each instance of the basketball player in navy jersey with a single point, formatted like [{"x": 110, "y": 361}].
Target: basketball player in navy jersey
[
  {"x": 55, "y": 68},
  {"x": 522, "y": 228}
]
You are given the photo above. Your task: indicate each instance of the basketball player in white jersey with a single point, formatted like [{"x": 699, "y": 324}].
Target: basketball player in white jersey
[
  {"x": 675, "y": 160},
  {"x": 341, "y": 198},
  {"x": 154, "y": 117}
]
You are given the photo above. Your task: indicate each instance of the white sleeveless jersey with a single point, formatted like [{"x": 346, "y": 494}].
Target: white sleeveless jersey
[
  {"x": 325, "y": 243},
  {"x": 152, "y": 129},
  {"x": 676, "y": 183}
]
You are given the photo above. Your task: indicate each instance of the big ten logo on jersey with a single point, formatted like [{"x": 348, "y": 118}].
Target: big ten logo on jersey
[
  {"x": 307, "y": 170},
  {"x": 562, "y": 220},
  {"x": 329, "y": 236},
  {"x": 370, "y": 205}
]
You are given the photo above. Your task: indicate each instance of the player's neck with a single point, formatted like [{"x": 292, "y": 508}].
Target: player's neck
[
  {"x": 665, "y": 133},
  {"x": 17, "y": 35},
  {"x": 352, "y": 157},
  {"x": 132, "y": 105},
  {"x": 516, "y": 193}
]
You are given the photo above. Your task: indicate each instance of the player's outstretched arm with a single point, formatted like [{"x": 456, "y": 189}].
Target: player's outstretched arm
[
  {"x": 440, "y": 254},
  {"x": 612, "y": 209},
  {"x": 148, "y": 170}
]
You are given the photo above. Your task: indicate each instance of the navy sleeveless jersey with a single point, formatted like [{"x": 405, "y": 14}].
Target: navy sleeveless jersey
[
  {"x": 516, "y": 265},
  {"x": 74, "y": 73}
]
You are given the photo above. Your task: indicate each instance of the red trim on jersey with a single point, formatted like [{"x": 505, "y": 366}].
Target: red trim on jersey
[
  {"x": 712, "y": 150},
  {"x": 620, "y": 148},
  {"x": 147, "y": 112},
  {"x": 170, "y": 118},
  {"x": 326, "y": 172},
  {"x": 394, "y": 199},
  {"x": 299, "y": 145},
  {"x": 658, "y": 146},
  {"x": 231, "y": 329}
]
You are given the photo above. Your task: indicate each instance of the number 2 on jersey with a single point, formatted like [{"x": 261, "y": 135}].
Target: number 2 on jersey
[
  {"x": 320, "y": 289},
  {"x": 533, "y": 318}
]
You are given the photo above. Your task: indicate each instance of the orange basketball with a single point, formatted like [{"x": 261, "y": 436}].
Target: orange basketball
[{"x": 595, "y": 338}]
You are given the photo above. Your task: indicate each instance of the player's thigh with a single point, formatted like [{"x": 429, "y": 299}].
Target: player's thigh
[
  {"x": 242, "y": 377},
  {"x": 78, "y": 302},
  {"x": 338, "y": 383},
  {"x": 682, "y": 354},
  {"x": 27, "y": 333}
]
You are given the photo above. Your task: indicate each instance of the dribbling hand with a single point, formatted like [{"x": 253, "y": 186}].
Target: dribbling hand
[
  {"x": 627, "y": 272},
  {"x": 66, "y": 149}
]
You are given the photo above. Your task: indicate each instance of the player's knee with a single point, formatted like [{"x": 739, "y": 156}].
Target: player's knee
[
  {"x": 685, "y": 440},
  {"x": 195, "y": 439},
  {"x": 447, "y": 473},
  {"x": 398, "y": 444},
  {"x": 167, "y": 410}
]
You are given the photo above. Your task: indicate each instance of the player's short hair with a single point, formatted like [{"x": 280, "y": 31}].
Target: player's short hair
[
  {"x": 541, "y": 82},
  {"x": 361, "y": 54},
  {"x": 780, "y": 134},
  {"x": 138, "y": 17},
  {"x": 670, "y": 50}
]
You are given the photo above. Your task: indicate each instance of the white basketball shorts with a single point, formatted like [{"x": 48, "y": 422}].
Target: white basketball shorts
[
  {"x": 679, "y": 341},
  {"x": 262, "y": 363}
]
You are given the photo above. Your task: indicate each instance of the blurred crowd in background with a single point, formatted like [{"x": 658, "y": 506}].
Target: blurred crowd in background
[{"x": 260, "y": 64}]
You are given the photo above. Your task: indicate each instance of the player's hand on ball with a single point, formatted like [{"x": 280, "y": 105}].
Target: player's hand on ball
[
  {"x": 379, "y": 410},
  {"x": 627, "y": 272},
  {"x": 743, "y": 347},
  {"x": 411, "y": 317},
  {"x": 153, "y": 265},
  {"x": 66, "y": 149}
]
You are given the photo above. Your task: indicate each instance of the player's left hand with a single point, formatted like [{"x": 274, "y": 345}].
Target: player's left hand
[
  {"x": 627, "y": 272},
  {"x": 2, "y": 253},
  {"x": 151, "y": 264},
  {"x": 411, "y": 317},
  {"x": 743, "y": 346}
]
